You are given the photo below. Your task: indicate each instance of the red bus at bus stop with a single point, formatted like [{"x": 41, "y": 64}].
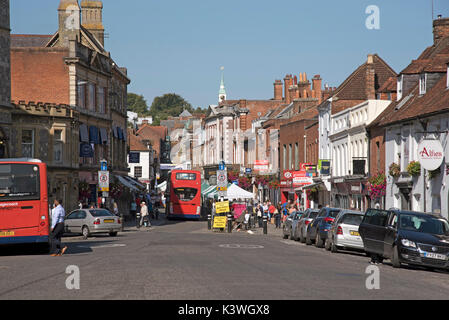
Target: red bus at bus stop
[
  {"x": 183, "y": 195},
  {"x": 24, "y": 211}
]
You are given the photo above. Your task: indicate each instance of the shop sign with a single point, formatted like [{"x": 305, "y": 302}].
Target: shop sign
[{"x": 430, "y": 154}]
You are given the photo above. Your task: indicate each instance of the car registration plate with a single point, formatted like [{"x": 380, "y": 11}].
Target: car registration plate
[
  {"x": 435, "y": 256},
  {"x": 7, "y": 234},
  {"x": 354, "y": 233},
  {"x": 109, "y": 221}
]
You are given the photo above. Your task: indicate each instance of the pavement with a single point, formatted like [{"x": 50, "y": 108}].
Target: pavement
[{"x": 182, "y": 260}]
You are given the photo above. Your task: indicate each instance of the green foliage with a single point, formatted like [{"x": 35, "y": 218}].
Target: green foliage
[
  {"x": 169, "y": 105},
  {"x": 138, "y": 104},
  {"x": 414, "y": 168},
  {"x": 394, "y": 170}
]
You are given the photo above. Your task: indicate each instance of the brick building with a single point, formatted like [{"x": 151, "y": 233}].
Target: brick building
[
  {"x": 71, "y": 68},
  {"x": 5, "y": 80},
  {"x": 342, "y": 135}
]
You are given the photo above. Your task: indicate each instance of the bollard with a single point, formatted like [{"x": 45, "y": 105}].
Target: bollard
[
  {"x": 229, "y": 223},
  {"x": 138, "y": 221},
  {"x": 265, "y": 225},
  {"x": 209, "y": 221}
]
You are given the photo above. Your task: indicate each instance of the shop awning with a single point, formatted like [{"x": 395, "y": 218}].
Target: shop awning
[
  {"x": 209, "y": 190},
  {"x": 84, "y": 133},
  {"x": 162, "y": 186},
  {"x": 313, "y": 185},
  {"x": 135, "y": 183},
  {"x": 126, "y": 183},
  {"x": 104, "y": 136},
  {"x": 93, "y": 135}
]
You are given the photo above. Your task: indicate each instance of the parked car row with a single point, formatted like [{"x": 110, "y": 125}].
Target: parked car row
[{"x": 404, "y": 237}]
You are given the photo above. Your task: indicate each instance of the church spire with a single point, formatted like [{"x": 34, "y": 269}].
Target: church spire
[{"x": 222, "y": 92}]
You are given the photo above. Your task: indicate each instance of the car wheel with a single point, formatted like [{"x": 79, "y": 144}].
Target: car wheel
[
  {"x": 327, "y": 245},
  {"x": 334, "y": 248},
  {"x": 86, "y": 233},
  {"x": 292, "y": 237},
  {"x": 318, "y": 240},
  {"x": 395, "y": 258},
  {"x": 302, "y": 239},
  {"x": 308, "y": 241},
  {"x": 113, "y": 234}
]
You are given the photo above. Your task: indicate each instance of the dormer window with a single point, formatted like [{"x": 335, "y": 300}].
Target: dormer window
[
  {"x": 400, "y": 81},
  {"x": 422, "y": 83}
]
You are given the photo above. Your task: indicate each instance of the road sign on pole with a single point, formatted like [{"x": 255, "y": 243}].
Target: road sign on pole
[
  {"x": 222, "y": 183},
  {"x": 103, "y": 181}
]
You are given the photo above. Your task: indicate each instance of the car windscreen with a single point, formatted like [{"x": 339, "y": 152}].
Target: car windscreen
[
  {"x": 423, "y": 224},
  {"x": 352, "y": 219},
  {"x": 100, "y": 213},
  {"x": 334, "y": 213},
  {"x": 313, "y": 214},
  {"x": 19, "y": 182},
  {"x": 186, "y": 194}
]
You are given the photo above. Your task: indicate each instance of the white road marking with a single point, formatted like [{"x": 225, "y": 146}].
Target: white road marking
[
  {"x": 241, "y": 246},
  {"x": 103, "y": 246}
]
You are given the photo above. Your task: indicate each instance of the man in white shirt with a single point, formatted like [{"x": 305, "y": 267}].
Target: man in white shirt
[
  {"x": 57, "y": 229},
  {"x": 144, "y": 213}
]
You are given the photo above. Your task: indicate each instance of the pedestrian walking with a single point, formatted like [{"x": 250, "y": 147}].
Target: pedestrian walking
[
  {"x": 144, "y": 214},
  {"x": 115, "y": 209},
  {"x": 260, "y": 214},
  {"x": 57, "y": 229}
]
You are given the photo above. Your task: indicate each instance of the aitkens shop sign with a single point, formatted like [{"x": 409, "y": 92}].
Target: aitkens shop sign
[{"x": 430, "y": 154}]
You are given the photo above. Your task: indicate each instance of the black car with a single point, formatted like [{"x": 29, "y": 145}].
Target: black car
[{"x": 413, "y": 238}]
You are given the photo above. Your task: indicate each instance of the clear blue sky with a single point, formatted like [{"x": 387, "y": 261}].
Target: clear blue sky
[{"x": 178, "y": 45}]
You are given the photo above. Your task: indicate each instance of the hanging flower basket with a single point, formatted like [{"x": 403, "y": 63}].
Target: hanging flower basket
[
  {"x": 261, "y": 180},
  {"x": 394, "y": 170},
  {"x": 274, "y": 184},
  {"x": 414, "y": 168},
  {"x": 233, "y": 176},
  {"x": 244, "y": 183},
  {"x": 377, "y": 186}
]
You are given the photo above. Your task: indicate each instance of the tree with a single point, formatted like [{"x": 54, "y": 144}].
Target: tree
[
  {"x": 169, "y": 104},
  {"x": 138, "y": 104}
]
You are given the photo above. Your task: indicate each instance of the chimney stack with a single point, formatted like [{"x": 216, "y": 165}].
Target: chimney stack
[
  {"x": 92, "y": 18},
  {"x": 317, "y": 87},
  {"x": 370, "y": 79},
  {"x": 440, "y": 29},
  {"x": 69, "y": 22},
  {"x": 278, "y": 90},
  {"x": 288, "y": 82}
]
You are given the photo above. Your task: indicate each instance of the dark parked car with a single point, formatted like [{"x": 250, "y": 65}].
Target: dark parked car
[
  {"x": 303, "y": 223},
  {"x": 413, "y": 238},
  {"x": 319, "y": 227},
  {"x": 289, "y": 224}
]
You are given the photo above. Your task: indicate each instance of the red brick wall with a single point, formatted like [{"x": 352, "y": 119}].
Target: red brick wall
[
  {"x": 312, "y": 142},
  {"x": 39, "y": 75},
  {"x": 377, "y": 150}
]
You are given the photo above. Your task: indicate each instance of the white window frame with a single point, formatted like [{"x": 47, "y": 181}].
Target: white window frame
[
  {"x": 32, "y": 143},
  {"x": 422, "y": 83},
  {"x": 399, "y": 86},
  {"x": 58, "y": 143}
]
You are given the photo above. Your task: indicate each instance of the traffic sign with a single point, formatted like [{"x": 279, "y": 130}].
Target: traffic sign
[
  {"x": 222, "y": 183},
  {"x": 103, "y": 181},
  {"x": 222, "y": 166},
  {"x": 104, "y": 165}
]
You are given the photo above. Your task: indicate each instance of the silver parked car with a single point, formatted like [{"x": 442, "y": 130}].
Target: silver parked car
[
  {"x": 303, "y": 223},
  {"x": 344, "y": 233},
  {"x": 89, "y": 221}
]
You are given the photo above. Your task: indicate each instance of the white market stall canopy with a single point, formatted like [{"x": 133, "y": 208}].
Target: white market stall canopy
[
  {"x": 234, "y": 193},
  {"x": 163, "y": 186}
]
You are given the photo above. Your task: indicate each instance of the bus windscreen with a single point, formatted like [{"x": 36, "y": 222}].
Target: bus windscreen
[
  {"x": 19, "y": 182},
  {"x": 186, "y": 176}
]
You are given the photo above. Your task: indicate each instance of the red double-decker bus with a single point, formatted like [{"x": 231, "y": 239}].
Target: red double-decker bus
[
  {"x": 24, "y": 211},
  {"x": 183, "y": 194}
]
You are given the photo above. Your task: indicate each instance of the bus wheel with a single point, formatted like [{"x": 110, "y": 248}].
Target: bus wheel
[{"x": 86, "y": 233}]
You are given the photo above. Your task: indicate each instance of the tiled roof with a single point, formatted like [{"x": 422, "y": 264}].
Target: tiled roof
[
  {"x": 354, "y": 89},
  {"x": 435, "y": 101},
  {"x": 29, "y": 40},
  {"x": 389, "y": 86},
  {"x": 154, "y": 134},
  {"x": 135, "y": 142}
]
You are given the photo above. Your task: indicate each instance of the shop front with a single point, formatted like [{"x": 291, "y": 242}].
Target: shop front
[{"x": 350, "y": 194}]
